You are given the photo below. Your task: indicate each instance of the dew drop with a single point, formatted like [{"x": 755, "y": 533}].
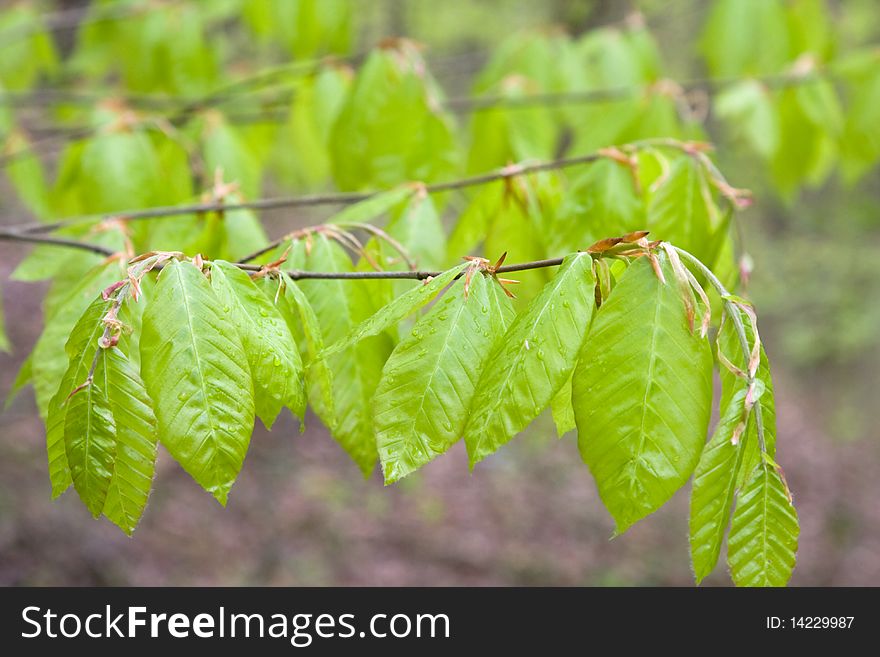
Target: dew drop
[
  {"x": 485, "y": 310},
  {"x": 276, "y": 362},
  {"x": 540, "y": 354},
  {"x": 447, "y": 426},
  {"x": 182, "y": 396}
]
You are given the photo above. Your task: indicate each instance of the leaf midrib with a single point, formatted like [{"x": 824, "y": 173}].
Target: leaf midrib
[{"x": 202, "y": 384}]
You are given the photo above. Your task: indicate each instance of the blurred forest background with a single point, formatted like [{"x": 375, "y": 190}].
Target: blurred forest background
[{"x": 300, "y": 513}]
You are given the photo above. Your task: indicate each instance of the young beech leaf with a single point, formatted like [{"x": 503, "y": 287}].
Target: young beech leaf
[
  {"x": 642, "y": 394},
  {"x": 763, "y": 541},
  {"x": 682, "y": 210},
  {"x": 563, "y": 412},
  {"x": 419, "y": 228},
  {"x": 422, "y": 402},
  {"x": 714, "y": 486},
  {"x": 49, "y": 360},
  {"x": 394, "y": 312},
  {"x": 195, "y": 370},
  {"x": 296, "y": 310},
  {"x": 272, "y": 354},
  {"x": 136, "y": 441},
  {"x": 373, "y": 206},
  {"x": 729, "y": 345},
  {"x": 4, "y": 340},
  {"x": 533, "y": 360},
  {"x": 79, "y": 353},
  {"x": 339, "y": 306}
]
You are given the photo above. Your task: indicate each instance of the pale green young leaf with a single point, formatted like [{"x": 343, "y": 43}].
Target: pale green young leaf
[
  {"x": 136, "y": 440},
  {"x": 27, "y": 176},
  {"x": 49, "y": 360},
  {"x": 90, "y": 435},
  {"x": 118, "y": 171},
  {"x": 422, "y": 402},
  {"x": 294, "y": 306},
  {"x": 195, "y": 369},
  {"x": 733, "y": 30},
  {"x": 747, "y": 110},
  {"x": 373, "y": 206},
  {"x": 390, "y": 129},
  {"x": 272, "y": 354},
  {"x": 393, "y": 313},
  {"x": 642, "y": 394},
  {"x": 601, "y": 202},
  {"x": 226, "y": 150},
  {"x": 4, "y": 339},
  {"x": 340, "y": 306},
  {"x": 419, "y": 229},
  {"x": 473, "y": 223},
  {"x": 715, "y": 482},
  {"x": 24, "y": 376},
  {"x": 729, "y": 345},
  {"x": 682, "y": 211},
  {"x": 562, "y": 410},
  {"x": 77, "y": 354},
  {"x": 763, "y": 541},
  {"x": 531, "y": 362}
]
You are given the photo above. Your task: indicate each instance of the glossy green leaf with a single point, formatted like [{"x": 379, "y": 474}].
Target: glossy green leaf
[
  {"x": 715, "y": 482},
  {"x": 272, "y": 354},
  {"x": 136, "y": 440},
  {"x": 763, "y": 541},
  {"x": 195, "y": 370},
  {"x": 393, "y": 313},
  {"x": 642, "y": 394},
  {"x": 422, "y": 402},
  {"x": 532, "y": 361},
  {"x": 746, "y": 37}
]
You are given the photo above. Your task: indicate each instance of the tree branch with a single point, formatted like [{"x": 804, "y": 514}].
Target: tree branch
[
  {"x": 343, "y": 198},
  {"x": 14, "y": 236}
]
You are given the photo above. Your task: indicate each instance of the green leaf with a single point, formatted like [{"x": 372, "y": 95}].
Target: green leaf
[
  {"x": 747, "y": 109},
  {"x": 78, "y": 354},
  {"x": 715, "y": 482},
  {"x": 136, "y": 440},
  {"x": 563, "y": 411},
  {"x": 273, "y": 357},
  {"x": 642, "y": 394},
  {"x": 294, "y": 306},
  {"x": 26, "y": 174},
  {"x": 728, "y": 343},
  {"x": 390, "y": 129},
  {"x": 339, "y": 306},
  {"x": 682, "y": 211},
  {"x": 195, "y": 370},
  {"x": 421, "y": 232},
  {"x": 119, "y": 171},
  {"x": 4, "y": 340},
  {"x": 226, "y": 150},
  {"x": 763, "y": 541},
  {"x": 422, "y": 402},
  {"x": 746, "y": 37},
  {"x": 372, "y": 207},
  {"x": 393, "y": 313},
  {"x": 22, "y": 378},
  {"x": 49, "y": 361},
  {"x": 534, "y": 359},
  {"x": 471, "y": 227},
  {"x": 601, "y": 202}
]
